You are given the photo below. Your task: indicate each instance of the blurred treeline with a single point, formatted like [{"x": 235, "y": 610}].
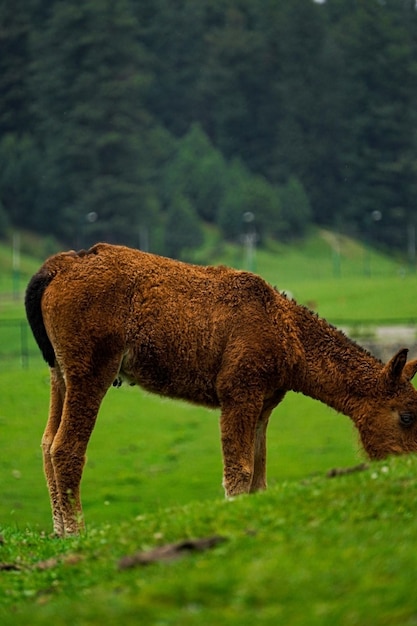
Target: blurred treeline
[{"x": 137, "y": 121}]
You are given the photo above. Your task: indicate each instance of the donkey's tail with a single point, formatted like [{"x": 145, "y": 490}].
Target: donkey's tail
[{"x": 33, "y": 298}]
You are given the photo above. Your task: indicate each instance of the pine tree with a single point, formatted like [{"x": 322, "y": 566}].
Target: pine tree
[
  {"x": 90, "y": 82},
  {"x": 183, "y": 229},
  {"x": 381, "y": 57},
  {"x": 19, "y": 158}
]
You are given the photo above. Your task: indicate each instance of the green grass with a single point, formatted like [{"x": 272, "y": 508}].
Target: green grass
[
  {"x": 147, "y": 453},
  {"x": 382, "y": 292},
  {"x": 319, "y": 551}
]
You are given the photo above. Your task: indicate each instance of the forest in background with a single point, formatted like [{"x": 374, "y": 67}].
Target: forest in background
[{"x": 140, "y": 121}]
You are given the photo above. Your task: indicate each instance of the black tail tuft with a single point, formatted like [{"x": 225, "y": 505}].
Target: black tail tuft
[{"x": 37, "y": 285}]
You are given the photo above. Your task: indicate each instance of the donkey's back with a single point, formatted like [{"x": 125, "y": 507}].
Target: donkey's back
[{"x": 169, "y": 325}]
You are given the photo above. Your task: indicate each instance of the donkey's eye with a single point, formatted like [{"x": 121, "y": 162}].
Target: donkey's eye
[{"x": 407, "y": 419}]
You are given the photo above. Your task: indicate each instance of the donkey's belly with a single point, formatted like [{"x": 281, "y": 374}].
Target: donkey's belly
[{"x": 173, "y": 378}]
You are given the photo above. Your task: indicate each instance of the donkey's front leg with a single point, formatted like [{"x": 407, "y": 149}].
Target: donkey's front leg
[
  {"x": 259, "y": 467},
  {"x": 259, "y": 471},
  {"x": 238, "y": 427}
]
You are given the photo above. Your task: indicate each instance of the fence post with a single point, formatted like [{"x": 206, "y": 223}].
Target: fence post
[{"x": 24, "y": 350}]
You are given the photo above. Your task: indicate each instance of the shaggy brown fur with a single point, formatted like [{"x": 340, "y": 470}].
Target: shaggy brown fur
[{"x": 211, "y": 335}]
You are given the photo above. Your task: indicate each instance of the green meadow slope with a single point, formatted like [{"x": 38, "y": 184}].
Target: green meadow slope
[{"x": 320, "y": 551}]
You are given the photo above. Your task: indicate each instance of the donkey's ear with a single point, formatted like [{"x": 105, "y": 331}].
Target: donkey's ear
[
  {"x": 410, "y": 369},
  {"x": 394, "y": 368}
]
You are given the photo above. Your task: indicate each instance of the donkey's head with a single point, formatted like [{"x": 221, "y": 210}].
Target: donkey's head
[{"x": 388, "y": 417}]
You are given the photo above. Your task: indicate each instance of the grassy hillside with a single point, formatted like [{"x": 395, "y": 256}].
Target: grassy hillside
[{"x": 322, "y": 551}]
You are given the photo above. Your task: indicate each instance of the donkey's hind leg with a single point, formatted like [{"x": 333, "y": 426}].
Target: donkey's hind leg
[
  {"x": 68, "y": 450},
  {"x": 54, "y": 420},
  {"x": 83, "y": 397}
]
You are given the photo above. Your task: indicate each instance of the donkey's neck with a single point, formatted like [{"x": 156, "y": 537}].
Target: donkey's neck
[{"x": 332, "y": 368}]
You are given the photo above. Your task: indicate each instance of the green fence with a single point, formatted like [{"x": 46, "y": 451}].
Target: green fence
[{"x": 17, "y": 343}]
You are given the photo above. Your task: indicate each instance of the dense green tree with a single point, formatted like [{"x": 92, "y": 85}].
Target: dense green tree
[
  {"x": 295, "y": 208},
  {"x": 251, "y": 194},
  {"x": 383, "y": 81},
  {"x": 89, "y": 78},
  {"x": 233, "y": 84},
  {"x": 20, "y": 171},
  {"x": 198, "y": 171},
  {"x": 295, "y": 38},
  {"x": 19, "y": 159},
  {"x": 4, "y": 221},
  {"x": 114, "y": 116},
  {"x": 233, "y": 206},
  {"x": 14, "y": 67},
  {"x": 183, "y": 230},
  {"x": 173, "y": 32}
]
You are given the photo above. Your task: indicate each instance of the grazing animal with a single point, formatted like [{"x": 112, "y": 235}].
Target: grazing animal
[{"x": 210, "y": 335}]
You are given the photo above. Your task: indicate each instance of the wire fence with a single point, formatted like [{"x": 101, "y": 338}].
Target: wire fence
[{"x": 17, "y": 343}]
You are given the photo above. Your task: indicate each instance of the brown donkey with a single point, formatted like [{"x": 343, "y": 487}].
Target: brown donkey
[{"x": 211, "y": 335}]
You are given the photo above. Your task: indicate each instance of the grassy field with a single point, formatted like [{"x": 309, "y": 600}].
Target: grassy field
[
  {"x": 312, "y": 550},
  {"x": 147, "y": 453},
  {"x": 319, "y": 551},
  {"x": 130, "y": 468}
]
